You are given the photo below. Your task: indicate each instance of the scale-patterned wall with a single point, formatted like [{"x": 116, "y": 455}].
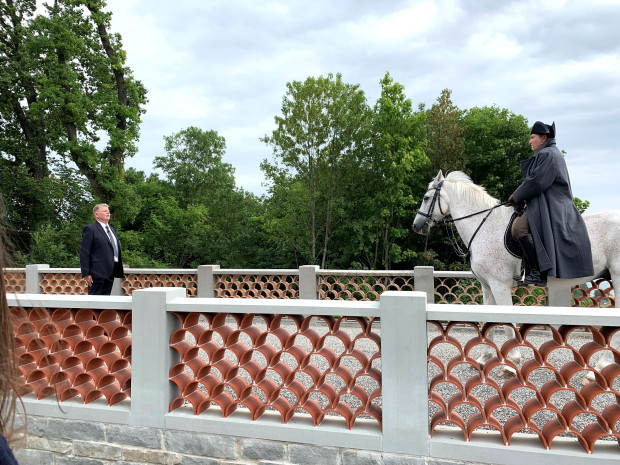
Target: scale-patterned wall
[
  {"x": 258, "y": 286},
  {"x": 360, "y": 287},
  {"x": 279, "y": 363},
  {"x": 68, "y": 353},
  {"x": 134, "y": 281},
  {"x": 550, "y": 395}
]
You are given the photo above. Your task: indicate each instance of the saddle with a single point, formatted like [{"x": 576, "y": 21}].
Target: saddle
[{"x": 512, "y": 246}]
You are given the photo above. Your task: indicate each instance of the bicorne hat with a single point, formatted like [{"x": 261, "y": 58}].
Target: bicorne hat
[{"x": 544, "y": 129}]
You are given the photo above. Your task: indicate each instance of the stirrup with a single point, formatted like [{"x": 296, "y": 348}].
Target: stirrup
[{"x": 537, "y": 279}]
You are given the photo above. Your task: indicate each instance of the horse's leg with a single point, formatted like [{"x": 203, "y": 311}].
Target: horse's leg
[
  {"x": 606, "y": 359},
  {"x": 487, "y": 299},
  {"x": 502, "y": 293}
]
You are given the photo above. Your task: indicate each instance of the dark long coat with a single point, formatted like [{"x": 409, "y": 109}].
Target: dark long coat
[{"x": 559, "y": 232}]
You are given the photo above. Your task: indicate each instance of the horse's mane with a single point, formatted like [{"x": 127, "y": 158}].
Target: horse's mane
[{"x": 473, "y": 193}]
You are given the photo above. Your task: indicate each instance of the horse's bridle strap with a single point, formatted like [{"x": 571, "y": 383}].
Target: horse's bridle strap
[{"x": 431, "y": 208}]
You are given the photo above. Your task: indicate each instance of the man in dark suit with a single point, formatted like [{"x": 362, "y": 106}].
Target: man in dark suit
[{"x": 100, "y": 253}]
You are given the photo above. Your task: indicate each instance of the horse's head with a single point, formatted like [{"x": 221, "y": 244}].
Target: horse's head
[{"x": 434, "y": 206}]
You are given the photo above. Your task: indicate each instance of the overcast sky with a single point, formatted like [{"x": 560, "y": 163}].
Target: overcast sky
[{"x": 224, "y": 64}]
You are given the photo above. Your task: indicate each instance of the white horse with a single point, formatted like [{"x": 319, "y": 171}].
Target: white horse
[{"x": 493, "y": 265}]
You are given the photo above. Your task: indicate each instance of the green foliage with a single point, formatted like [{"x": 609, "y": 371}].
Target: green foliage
[
  {"x": 390, "y": 179},
  {"x": 495, "y": 144},
  {"x": 445, "y": 135},
  {"x": 343, "y": 185},
  {"x": 67, "y": 101},
  {"x": 317, "y": 143},
  {"x": 582, "y": 205},
  {"x": 193, "y": 165}
]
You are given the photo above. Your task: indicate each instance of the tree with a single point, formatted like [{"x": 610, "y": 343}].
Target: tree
[
  {"x": 323, "y": 127},
  {"x": 445, "y": 135},
  {"x": 67, "y": 97},
  {"x": 193, "y": 165},
  {"x": 393, "y": 175},
  {"x": 496, "y": 141}
]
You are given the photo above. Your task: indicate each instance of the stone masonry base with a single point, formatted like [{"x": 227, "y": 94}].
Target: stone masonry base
[{"x": 51, "y": 441}]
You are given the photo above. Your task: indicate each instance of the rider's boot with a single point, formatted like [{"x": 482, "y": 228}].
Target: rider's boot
[
  {"x": 529, "y": 251},
  {"x": 525, "y": 270}
]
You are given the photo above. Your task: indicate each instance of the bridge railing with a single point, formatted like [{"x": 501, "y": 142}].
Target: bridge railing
[
  {"x": 309, "y": 283},
  {"x": 336, "y": 373}
]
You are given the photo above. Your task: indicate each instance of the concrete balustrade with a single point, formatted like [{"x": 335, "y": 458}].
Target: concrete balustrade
[
  {"x": 142, "y": 430},
  {"x": 207, "y": 276}
]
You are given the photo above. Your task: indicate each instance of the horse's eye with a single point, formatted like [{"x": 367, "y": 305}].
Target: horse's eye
[{"x": 426, "y": 197}]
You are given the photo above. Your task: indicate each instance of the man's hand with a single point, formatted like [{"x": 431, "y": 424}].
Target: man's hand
[
  {"x": 511, "y": 200},
  {"x": 89, "y": 280}
]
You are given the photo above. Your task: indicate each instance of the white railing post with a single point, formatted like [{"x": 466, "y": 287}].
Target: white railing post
[
  {"x": 151, "y": 356},
  {"x": 206, "y": 280},
  {"x": 33, "y": 278},
  {"x": 559, "y": 294},
  {"x": 404, "y": 378},
  {"x": 308, "y": 281},
  {"x": 424, "y": 281}
]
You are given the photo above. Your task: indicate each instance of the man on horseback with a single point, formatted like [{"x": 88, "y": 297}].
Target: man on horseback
[{"x": 550, "y": 230}]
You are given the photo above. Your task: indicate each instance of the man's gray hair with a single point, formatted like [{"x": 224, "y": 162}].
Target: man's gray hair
[{"x": 98, "y": 206}]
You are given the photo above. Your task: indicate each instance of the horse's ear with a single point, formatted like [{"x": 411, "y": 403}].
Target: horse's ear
[{"x": 439, "y": 176}]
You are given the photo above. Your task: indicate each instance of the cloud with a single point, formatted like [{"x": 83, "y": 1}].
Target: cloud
[{"x": 224, "y": 65}]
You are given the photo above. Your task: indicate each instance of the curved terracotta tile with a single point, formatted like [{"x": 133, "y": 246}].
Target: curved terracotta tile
[
  {"x": 73, "y": 366},
  {"x": 85, "y": 318},
  {"x": 121, "y": 370},
  {"x": 84, "y": 384},
  {"x": 532, "y": 365},
  {"x": 254, "y": 405},
  {"x": 594, "y": 431},
  {"x": 572, "y": 410},
  {"x": 73, "y": 335},
  {"x": 96, "y": 368},
  {"x": 496, "y": 402},
  {"x": 475, "y": 422},
  {"x": 179, "y": 343},
  {"x": 457, "y": 399},
  {"x": 476, "y": 380},
  {"x": 454, "y": 418},
  {"x": 552, "y": 386},
  {"x": 451, "y": 379},
  {"x": 533, "y": 406},
  {"x": 553, "y": 428},
  {"x": 516, "y": 423},
  {"x": 517, "y": 383},
  {"x": 474, "y": 342}
]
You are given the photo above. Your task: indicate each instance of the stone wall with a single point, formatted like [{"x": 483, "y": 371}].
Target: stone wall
[{"x": 52, "y": 441}]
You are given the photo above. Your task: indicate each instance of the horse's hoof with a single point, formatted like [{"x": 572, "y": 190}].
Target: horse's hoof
[
  {"x": 585, "y": 381},
  {"x": 507, "y": 372}
]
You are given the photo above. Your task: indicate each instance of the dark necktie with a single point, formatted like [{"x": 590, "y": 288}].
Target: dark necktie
[{"x": 112, "y": 240}]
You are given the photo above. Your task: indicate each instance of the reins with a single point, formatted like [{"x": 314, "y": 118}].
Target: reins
[
  {"x": 450, "y": 231},
  {"x": 452, "y": 237}
]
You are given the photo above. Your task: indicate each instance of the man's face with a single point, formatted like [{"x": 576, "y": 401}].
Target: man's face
[
  {"x": 536, "y": 141},
  {"x": 102, "y": 214}
]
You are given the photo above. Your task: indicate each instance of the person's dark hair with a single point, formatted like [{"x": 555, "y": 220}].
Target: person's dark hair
[{"x": 8, "y": 365}]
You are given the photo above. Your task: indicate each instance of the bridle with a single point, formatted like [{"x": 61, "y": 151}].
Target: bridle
[
  {"x": 436, "y": 200},
  {"x": 430, "y": 221}
]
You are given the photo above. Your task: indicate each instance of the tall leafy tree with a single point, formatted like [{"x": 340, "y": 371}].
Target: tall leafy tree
[
  {"x": 445, "y": 134},
  {"x": 67, "y": 96},
  {"x": 193, "y": 165},
  {"x": 392, "y": 176},
  {"x": 323, "y": 126},
  {"x": 222, "y": 220}
]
